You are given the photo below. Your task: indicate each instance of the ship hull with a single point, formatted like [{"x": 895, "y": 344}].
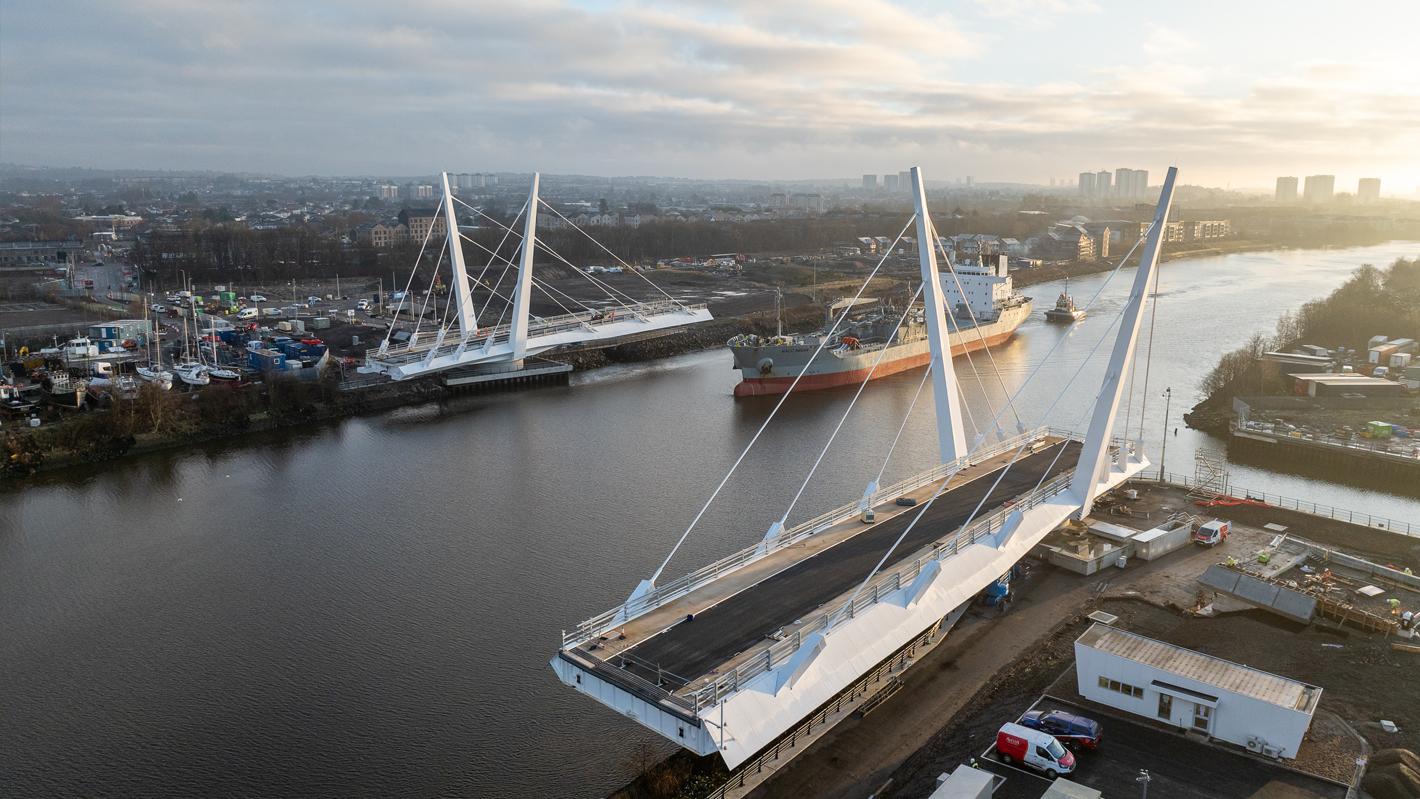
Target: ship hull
[{"x": 832, "y": 369}]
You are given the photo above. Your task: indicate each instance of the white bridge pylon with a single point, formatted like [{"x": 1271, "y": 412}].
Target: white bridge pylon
[
  {"x": 460, "y": 341},
  {"x": 741, "y": 698}
]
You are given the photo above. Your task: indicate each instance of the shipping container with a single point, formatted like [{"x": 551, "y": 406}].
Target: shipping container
[
  {"x": 1405, "y": 345},
  {"x": 266, "y": 360},
  {"x": 1400, "y": 360}
]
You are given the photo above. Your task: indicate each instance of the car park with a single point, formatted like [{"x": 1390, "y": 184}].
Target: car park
[
  {"x": 1034, "y": 748},
  {"x": 1075, "y": 731}
]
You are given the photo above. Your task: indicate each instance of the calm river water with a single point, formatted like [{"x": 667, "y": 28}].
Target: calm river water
[{"x": 369, "y": 608}]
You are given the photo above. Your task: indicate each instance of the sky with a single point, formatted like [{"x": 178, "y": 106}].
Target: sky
[{"x": 1234, "y": 93}]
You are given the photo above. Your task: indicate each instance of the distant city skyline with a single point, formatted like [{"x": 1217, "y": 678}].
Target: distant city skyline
[{"x": 1023, "y": 91}]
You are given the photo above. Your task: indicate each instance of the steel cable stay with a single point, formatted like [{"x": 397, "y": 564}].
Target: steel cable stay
[
  {"x": 649, "y": 584},
  {"x": 980, "y": 336},
  {"x": 542, "y": 285},
  {"x": 1056, "y": 345},
  {"x": 604, "y": 249},
  {"x": 384, "y": 345},
  {"x": 606, "y": 288},
  {"x": 926, "y": 374},
  {"x": 419, "y": 321},
  {"x": 941, "y": 488},
  {"x": 779, "y": 525}
]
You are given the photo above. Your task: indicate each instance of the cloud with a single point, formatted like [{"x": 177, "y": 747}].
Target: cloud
[{"x": 688, "y": 87}]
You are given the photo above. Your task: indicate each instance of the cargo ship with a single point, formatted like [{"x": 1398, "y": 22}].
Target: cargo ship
[{"x": 984, "y": 311}]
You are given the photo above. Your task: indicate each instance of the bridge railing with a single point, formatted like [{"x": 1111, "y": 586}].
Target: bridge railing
[
  {"x": 832, "y": 615},
  {"x": 1301, "y": 505},
  {"x": 660, "y": 595},
  {"x": 544, "y": 326}
]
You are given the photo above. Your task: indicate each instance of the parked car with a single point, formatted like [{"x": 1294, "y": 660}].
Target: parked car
[
  {"x": 1034, "y": 748},
  {"x": 1076, "y": 732},
  {"x": 159, "y": 308},
  {"x": 363, "y": 305},
  {"x": 258, "y": 298},
  {"x": 312, "y": 300}
]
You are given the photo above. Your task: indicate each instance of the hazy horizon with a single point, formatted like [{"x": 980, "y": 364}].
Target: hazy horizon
[{"x": 1010, "y": 91}]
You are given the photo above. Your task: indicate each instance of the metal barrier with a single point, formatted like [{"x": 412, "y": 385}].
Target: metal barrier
[
  {"x": 1300, "y": 505},
  {"x": 660, "y": 595}
]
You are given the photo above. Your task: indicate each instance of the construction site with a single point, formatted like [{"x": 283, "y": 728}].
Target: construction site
[{"x": 1321, "y": 595}]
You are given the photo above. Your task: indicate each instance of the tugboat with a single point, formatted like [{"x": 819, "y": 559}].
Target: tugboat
[{"x": 1065, "y": 310}]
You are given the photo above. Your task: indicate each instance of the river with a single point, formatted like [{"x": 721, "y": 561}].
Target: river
[{"x": 369, "y": 608}]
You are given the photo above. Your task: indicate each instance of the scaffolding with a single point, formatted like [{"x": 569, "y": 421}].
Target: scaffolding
[{"x": 1210, "y": 475}]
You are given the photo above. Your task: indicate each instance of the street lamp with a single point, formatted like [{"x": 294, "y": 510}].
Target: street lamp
[{"x": 1164, "y": 448}]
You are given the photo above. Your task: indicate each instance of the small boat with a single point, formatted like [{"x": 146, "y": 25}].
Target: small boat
[
  {"x": 12, "y": 401},
  {"x": 65, "y": 391},
  {"x": 1065, "y": 310},
  {"x": 192, "y": 373},
  {"x": 157, "y": 375},
  {"x": 223, "y": 373}
]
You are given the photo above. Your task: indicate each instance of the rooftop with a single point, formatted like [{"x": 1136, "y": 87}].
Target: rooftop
[{"x": 1223, "y": 674}]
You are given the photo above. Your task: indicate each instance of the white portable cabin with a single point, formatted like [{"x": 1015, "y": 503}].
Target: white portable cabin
[{"x": 1182, "y": 688}]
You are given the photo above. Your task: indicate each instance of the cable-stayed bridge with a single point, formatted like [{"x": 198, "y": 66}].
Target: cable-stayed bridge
[
  {"x": 733, "y": 656},
  {"x": 467, "y": 338}
]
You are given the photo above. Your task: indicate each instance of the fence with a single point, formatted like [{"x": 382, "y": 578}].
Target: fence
[{"x": 1303, "y": 506}]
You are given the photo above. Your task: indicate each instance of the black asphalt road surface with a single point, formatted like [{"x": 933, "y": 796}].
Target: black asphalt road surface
[{"x": 690, "y": 649}]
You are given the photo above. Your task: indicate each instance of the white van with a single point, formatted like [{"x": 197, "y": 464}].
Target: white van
[
  {"x": 1035, "y": 748},
  {"x": 249, "y": 313},
  {"x": 271, "y": 313}
]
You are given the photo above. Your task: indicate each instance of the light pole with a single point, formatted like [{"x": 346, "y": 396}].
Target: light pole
[
  {"x": 1143, "y": 780},
  {"x": 1164, "y": 448}
]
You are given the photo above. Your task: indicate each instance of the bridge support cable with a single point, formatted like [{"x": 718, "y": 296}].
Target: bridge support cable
[
  {"x": 649, "y": 584},
  {"x": 605, "y": 287},
  {"x": 624, "y": 264},
  {"x": 1149, "y": 358},
  {"x": 779, "y": 525},
  {"x": 424, "y": 307},
  {"x": 1050, "y": 353},
  {"x": 1085, "y": 483},
  {"x": 953, "y": 325},
  {"x": 980, "y": 336},
  {"x": 942, "y": 487},
  {"x": 384, "y": 345},
  {"x": 900, "y": 428},
  {"x": 951, "y": 440}
]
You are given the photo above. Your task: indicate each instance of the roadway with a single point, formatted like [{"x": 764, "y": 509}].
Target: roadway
[{"x": 691, "y": 649}]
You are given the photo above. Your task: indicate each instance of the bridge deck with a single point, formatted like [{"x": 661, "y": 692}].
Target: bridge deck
[{"x": 689, "y": 650}]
